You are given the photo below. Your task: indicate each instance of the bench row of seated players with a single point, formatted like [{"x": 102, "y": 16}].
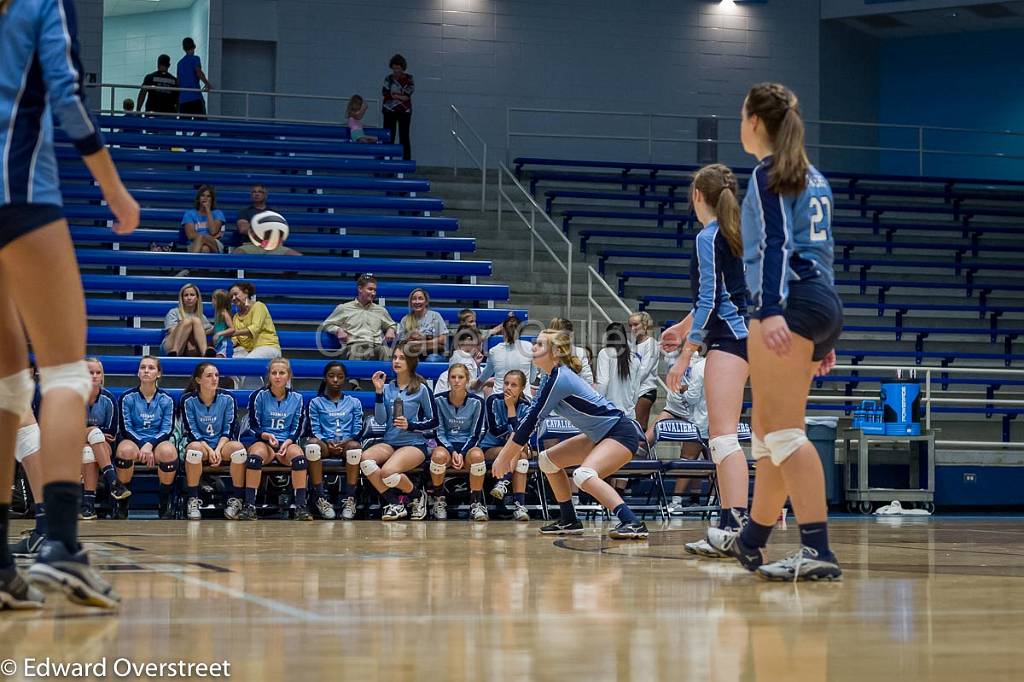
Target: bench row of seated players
[{"x": 144, "y": 426}]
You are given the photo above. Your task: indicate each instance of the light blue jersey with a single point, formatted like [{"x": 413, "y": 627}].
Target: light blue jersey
[
  {"x": 146, "y": 421},
  {"x": 719, "y": 290},
  {"x": 282, "y": 418},
  {"x": 785, "y": 238},
  {"x": 499, "y": 425},
  {"x": 459, "y": 426},
  {"x": 567, "y": 395},
  {"x": 103, "y": 413},
  {"x": 40, "y": 76},
  {"x": 209, "y": 423},
  {"x": 335, "y": 421},
  {"x": 418, "y": 410}
]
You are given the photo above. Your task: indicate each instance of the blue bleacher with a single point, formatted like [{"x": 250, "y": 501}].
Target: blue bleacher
[
  {"x": 153, "y": 124},
  {"x": 248, "y": 145}
]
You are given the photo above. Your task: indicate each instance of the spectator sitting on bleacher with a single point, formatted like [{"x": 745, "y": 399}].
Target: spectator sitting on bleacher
[
  {"x": 587, "y": 373},
  {"x": 186, "y": 326},
  {"x": 467, "y": 353},
  {"x": 423, "y": 328},
  {"x": 513, "y": 354},
  {"x": 467, "y": 318},
  {"x": 355, "y": 112},
  {"x": 254, "y": 333},
  {"x": 364, "y": 329},
  {"x": 153, "y": 96},
  {"x": 204, "y": 225},
  {"x": 128, "y": 105},
  {"x": 241, "y": 240}
]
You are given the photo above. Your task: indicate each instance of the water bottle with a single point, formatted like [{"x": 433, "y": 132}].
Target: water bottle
[{"x": 398, "y": 410}]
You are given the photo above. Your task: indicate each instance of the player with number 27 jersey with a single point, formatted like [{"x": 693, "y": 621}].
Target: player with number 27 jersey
[{"x": 786, "y": 238}]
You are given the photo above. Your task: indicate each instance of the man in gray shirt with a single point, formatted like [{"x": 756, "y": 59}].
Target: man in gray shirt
[{"x": 364, "y": 329}]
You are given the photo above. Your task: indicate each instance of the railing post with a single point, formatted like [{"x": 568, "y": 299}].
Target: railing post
[
  {"x": 113, "y": 98},
  {"x": 928, "y": 400},
  {"x": 590, "y": 304},
  {"x": 533, "y": 231},
  {"x": 568, "y": 284},
  {"x": 483, "y": 182},
  {"x": 508, "y": 135},
  {"x": 455, "y": 134},
  {"x": 500, "y": 196},
  {"x": 247, "y": 106}
]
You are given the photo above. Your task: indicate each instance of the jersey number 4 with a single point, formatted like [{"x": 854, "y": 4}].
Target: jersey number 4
[{"x": 821, "y": 218}]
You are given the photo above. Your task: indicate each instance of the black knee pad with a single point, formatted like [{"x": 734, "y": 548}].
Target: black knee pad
[
  {"x": 123, "y": 463},
  {"x": 169, "y": 467},
  {"x": 254, "y": 462},
  {"x": 300, "y": 464}
]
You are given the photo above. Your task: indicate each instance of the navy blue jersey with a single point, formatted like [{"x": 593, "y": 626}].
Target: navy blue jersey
[
  {"x": 103, "y": 413},
  {"x": 209, "y": 423},
  {"x": 331, "y": 420},
  {"x": 282, "y": 418},
  {"x": 418, "y": 410},
  {"x": 40, "y": 76},
  {"x": 785, "y": 238},
  {"x": 719, "y": 288},
  {"x": 146, "y": 421},
  {"x": 567, "y": 395},
  {"x": 462, "y": 425},
  {"x": 499, "y": 425}
]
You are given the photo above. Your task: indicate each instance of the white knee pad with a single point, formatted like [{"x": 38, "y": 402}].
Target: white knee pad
[
  {"x": 723, "y": 446},
  {"x": 194, "y": 456},
  {"x": 27, "y": 442},
  {"x": 478, "y": 469},
  {"x": 96, "y": 437},
  {"x": 313, "y": 452},
  {"x": 758, "y": 449},
  {"x": 368, "y": 467},
  {"x": 392, "y": 481},
  {"x": 16, "y": 392},
  {"x": 437, "y": 468},
  {"x": 353, "y": 456},
  {"x": 784, "y": 443},
  {"x": 88, "y": 455},
  {"x": 545, "y": 463},
  {"x": 523, "y": 466},
  {"x": 239, "y": 457},
  {"x": 582, "y": 475},
  {"x": 74, "y": 376}
]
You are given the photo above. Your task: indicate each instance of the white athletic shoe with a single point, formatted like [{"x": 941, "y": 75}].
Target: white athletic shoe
[
  {"x": 233, "y": 509},
  {"x": 324, "y": 507},
  {"x": 418, "y": 507},
  {"x": 194, "y": 505},
  {"x": 703, "y": 548},
  {"x": 500, "y": 490},
  {"x": 520, "y": 513},
  {"x": 348, "y": 508},
  {"x": 440, "y": 510},
  {"x": 478, "y": 512},
  {"x": 393, "y": 512}
]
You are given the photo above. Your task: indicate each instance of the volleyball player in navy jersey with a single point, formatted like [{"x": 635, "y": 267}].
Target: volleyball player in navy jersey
[
  {"x": 717, "y": 328},
  {"x": 504, "y": 411},
  {"x": 101, "y": 424},
  {"x": 147, "y": 419},
  {"x": 276, "y": 416},
  {"x": 796, "y": 320},
  {"x": 209, "y": 418},
  {"x": 334, "y": 424},
  {"x": 41, "y": 77},
  {"x": 608, "y": 440}
]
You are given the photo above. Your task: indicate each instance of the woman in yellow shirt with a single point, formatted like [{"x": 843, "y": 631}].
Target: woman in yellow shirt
[{"x": 255, "y": 335}]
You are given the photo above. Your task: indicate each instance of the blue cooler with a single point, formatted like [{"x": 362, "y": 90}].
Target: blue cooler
[{"x": 901, "y": 403}]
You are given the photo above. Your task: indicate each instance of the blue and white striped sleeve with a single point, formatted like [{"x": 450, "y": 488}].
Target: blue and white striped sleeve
[
  {"x": 57, "y": 43},
  {"x": 356, "y": 424},
  {"x": 428, "y": 412},
  {"x": 298, "y": 418},
  {"x": 128, "y": 419},
  {"x": 775, "y": 248},
  {"x": 478, "y": 424},
  {"x": 166, "y": 418},
  {"x": 707, "y": 293},
  {"x": 550, "y": 394},
  {"x": 186, "y": 408}
]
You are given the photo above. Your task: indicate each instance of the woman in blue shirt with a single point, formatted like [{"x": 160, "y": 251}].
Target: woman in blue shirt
[
  {"x": 504, "y": 411},
  {"x": 204, "y": 224},
  {"x": 404, "y": 445},
  {"x": 275, "y": 424},
  {"x": 210, "y": 423},
  {"x": 334, "y": 424},
  {"x": 460, "y": 421},
  {"x": 147, "y": 419},
  {"x": 608, "y": 440},
  {"x": 796, "y": 319},
  {"x": 41, "y": 78},
  {"x": 101, "y": 424}
]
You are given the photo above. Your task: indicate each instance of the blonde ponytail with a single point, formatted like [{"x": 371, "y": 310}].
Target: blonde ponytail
[{"x": 561, "y": 349}]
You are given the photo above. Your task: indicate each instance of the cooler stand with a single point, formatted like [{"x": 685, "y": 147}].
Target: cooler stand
[{"x": 859, "y": 496}]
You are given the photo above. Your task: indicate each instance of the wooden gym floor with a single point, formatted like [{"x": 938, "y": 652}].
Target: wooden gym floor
[{"x": 934, "y": 599}]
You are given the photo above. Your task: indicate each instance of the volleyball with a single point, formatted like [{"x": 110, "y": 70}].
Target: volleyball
[{"x": 268, "y": 230}]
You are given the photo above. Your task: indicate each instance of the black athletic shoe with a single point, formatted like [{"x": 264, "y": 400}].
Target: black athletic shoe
[
  {"x": 629, "y": 531},
  {"x": 728, "y": 542},
  {"x": 563, "y": 528},
  {"x": 803, "y": 565},
  {"x": 120, "y": 491},
  {"x": 119, "y": 510},
  {"x": 248, "y": 513},
  {"x": 58, "y": 569},
  {"x": 16, "y": 593},
  {"x": 166, "y": 509},
  {"x": 88, "y": 512},
  {"x": 29, "y": 544},
  {"x": 302, "y": 513}
]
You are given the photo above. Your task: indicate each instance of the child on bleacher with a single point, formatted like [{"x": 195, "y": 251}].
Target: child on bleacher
[
  {"x": 355, "y": 112},
  {"x": 223, "y": 326}
]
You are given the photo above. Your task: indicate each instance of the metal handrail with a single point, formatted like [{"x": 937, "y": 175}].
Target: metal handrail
[
  {"x": 531, "y": 224},
  {"x": 480, "y": 163}
]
